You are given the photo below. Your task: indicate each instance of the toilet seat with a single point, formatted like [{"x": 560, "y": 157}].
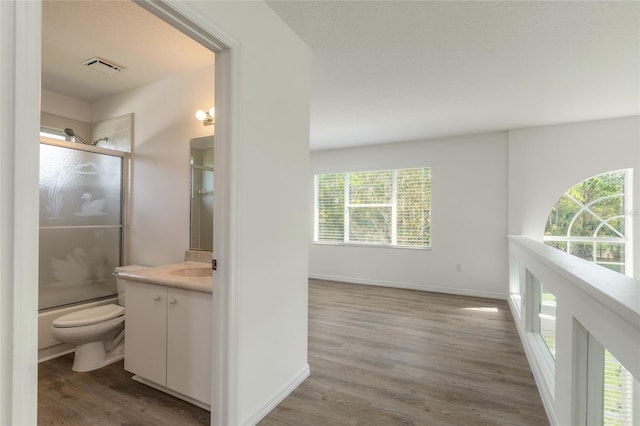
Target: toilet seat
[{"x": 89, "y": 316}]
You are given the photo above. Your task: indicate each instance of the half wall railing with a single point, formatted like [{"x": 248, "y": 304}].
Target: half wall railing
[{"x": 580, "y": 328}]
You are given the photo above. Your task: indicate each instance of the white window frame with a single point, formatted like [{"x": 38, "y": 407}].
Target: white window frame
[
  {"x": 589, "y": 384},
  {"x": 347, "y": 211},
  {"x": 533, "y": 301},
  {"x": 621, "y": 239}
]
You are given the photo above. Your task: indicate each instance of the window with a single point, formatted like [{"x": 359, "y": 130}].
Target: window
[
  {"x": 617, "y": 398},
  {"x": 547, "y": 319},
  {"x": 52, "y": 133},
  {"x": 610, "y": 395},
  {"x": 589, "y": 221},
  {"x": 380, "y": 207},
  {"x": 544, "y": 314}
]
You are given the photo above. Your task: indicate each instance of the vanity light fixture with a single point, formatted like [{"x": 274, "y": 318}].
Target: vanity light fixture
[{"x": 207, "y": 117}]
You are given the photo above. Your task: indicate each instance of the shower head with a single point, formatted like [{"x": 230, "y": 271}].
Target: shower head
[
  {"x": 74, "y": 138},
  {"x": 104, "y": 139}
]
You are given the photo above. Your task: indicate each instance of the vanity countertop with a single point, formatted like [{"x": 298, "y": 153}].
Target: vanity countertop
[{"x": 195, "y": 276}]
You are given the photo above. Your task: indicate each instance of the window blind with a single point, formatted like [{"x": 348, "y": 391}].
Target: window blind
[
  {"x": 382, "y": 207},
  {"x": 618, "y": 392}
]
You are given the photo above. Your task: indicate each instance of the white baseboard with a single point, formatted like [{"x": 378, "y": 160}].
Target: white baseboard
[
  {"x": 411, "y": 286},
  {"x": 260, "y": 412}
]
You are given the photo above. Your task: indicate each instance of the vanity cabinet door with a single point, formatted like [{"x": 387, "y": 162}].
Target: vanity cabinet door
[
  {"x": 146, "y": 331},
  {"x": 189, "y": 343}
]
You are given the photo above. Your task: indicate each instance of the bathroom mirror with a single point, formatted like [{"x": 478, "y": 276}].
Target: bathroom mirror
[{"x": 202, "y": 193}]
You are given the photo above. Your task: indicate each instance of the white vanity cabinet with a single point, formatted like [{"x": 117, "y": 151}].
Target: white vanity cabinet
[{"x": 168, "y": 339}]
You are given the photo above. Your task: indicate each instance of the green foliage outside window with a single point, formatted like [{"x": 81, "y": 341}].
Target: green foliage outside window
[
  {"x": 370, "y": 206},
  {"x": 387, "y": 207},
  {"x": 330, "y": 205},
  {"x": 594, "y": 208},
  {"x": 587, "y": 193}
]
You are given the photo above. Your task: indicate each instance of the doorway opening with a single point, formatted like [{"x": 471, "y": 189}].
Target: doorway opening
[{"x": 62, "y": 89}]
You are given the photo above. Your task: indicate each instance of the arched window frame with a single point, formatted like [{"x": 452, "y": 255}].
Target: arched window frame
[{"x": 623, "y": 239}]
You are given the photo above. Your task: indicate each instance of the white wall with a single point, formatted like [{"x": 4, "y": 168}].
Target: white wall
[
  {"x": 269, "y": 218},
  {"x": 163, "y": 124},
  {"x": 468, "y": 224},
  {"x": 544, "y": 162},
  {"x": 65, "y": 106}
]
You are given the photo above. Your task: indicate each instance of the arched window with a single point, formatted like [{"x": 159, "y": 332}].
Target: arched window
[{"x": 589, "y": 221}]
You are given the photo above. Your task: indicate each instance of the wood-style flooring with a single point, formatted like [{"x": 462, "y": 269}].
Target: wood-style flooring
[
  {"x": 378, "y": 356},
  {"x": 383, "y": 356},
  {"x": 106, "y": 397}
]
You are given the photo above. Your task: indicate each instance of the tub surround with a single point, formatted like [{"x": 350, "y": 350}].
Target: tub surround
[{"x": 193, "y": 276}]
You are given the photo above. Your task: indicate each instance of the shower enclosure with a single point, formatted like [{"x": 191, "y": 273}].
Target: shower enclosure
[{"x": 81, "y": 222}]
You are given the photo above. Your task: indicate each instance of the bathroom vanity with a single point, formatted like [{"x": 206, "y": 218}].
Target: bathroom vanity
[{"x": 168, "y": 329}]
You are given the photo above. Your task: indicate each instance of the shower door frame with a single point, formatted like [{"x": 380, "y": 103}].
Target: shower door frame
[{"x": 124, "y": 191}]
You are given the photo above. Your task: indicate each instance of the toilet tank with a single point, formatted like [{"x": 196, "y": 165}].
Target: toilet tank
[{"x": 120, "y": 281}]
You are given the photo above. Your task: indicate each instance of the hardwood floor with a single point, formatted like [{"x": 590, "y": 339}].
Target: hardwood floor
[
  {"x": 382, "y": 356},
  {"x": 107, "y": 396},
  {"x": 378, "y": 356}
]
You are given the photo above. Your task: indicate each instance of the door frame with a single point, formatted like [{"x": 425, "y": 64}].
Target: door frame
[
  {"x": 184, "y": 18},
  {"x": 20, "y": 67},
  {"x": 20, "y": 36}
]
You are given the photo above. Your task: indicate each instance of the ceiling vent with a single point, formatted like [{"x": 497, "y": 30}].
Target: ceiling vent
[{"x": 101, "y": 65}]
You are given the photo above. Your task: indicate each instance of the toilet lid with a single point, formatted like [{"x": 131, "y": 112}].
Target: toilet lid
[{"x": 89, "y": 316}]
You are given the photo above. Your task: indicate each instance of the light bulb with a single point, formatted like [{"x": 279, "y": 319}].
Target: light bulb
[
  {"x": 212, "y": 112},
  {"x": 201, "y": 115}
]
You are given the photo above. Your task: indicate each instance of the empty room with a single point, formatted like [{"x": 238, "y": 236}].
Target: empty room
[{"x": 423, "y": 212}]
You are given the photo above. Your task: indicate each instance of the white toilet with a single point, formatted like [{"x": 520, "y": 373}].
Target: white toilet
[{"x": 98, "y": 332}]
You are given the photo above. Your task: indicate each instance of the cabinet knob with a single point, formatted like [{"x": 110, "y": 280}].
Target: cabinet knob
[
  {"x": 172, "y": 301},
  {"x": 156, "y": 298}
]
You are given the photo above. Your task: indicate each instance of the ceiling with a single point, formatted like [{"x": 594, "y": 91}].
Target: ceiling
[
  {"x": 388, "y": 71},
  {"x": 120, "y": 32},
  {"x": 393, "y": 71}
]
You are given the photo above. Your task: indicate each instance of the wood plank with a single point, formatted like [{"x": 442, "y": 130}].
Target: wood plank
[
  {"x": 107, "y": 396},
  {"x": 383, "y": 356},
  {"x": 378, "y": 356}
]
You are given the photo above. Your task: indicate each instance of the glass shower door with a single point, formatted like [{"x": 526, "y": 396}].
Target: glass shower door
[{"x": 80, "y": 224}]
